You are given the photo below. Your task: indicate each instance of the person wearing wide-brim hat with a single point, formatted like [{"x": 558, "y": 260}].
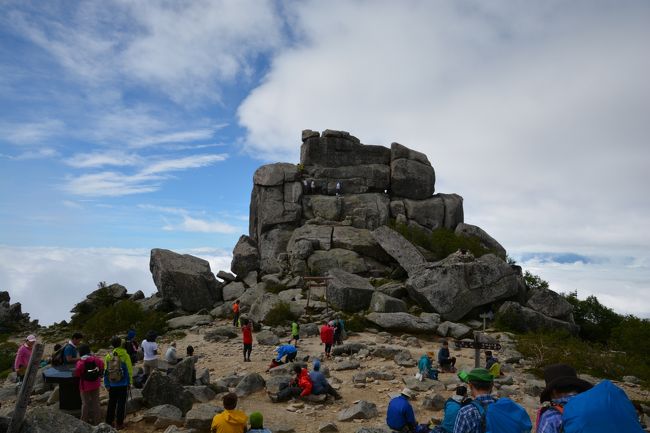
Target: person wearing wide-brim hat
[
  {"x": 562, "y": 384},
  {"x": 399, "y": 414},
  {"x": 480, "y": 384}
]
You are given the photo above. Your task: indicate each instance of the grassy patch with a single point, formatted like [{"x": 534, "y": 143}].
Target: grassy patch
[
  {"x": 8, "y": 351},
  {"x": 279, "y": 315}
]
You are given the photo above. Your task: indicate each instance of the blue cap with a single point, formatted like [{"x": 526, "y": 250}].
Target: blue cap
[{"x": 316, "y": 364}]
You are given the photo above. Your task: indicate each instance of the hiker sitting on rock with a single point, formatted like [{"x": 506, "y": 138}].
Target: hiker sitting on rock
[
  {"x": 170, "y": 356},
  {"x": 257, "y": 423},
  {"x": 399, "y": 415},
  {"x": 320, "y": 385},
  {"x": 492, "y": 364},
  {"x": 562, "y": 384},
  {"x": 445, "y": 360},
  {"x": 425, "y": 366},
  {"x": 469, "y": 417},
  {"x": 300, "y": 386},
  {"x": 452, "y": 406}
]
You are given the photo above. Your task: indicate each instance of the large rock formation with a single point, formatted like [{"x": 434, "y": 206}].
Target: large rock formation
[
  {"x": 12, "y": 318},
  {"x": 185, "y": 280}
]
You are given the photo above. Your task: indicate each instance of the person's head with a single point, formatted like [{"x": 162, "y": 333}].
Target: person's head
[
  {"x": 408, "y": 393},
  {"x": 190, "y": 350},
  {"x": 430, "y": 355},
  {"x": 488, "y": 354},
  {"x": 257, "y": 420},
  {"x": 30, "y": 340},
  {"x": 173, "y": 344},
  {"x": 244, "y": 321},
  {"x": 151, "y": 336},
  {"x": 237, "y": 301},
  {"x": 116, "y": 342},
  {"x": 316, "y": 365},
  {"x": 562, "y": 380},
  {"x": 480, "y": 381},
  {"x": 230, "y": 401},
  {"x": 297, "y": 369},
  {"x": 76, "y": 338},
  {"x": 461, "y": 391},
  {"x": 131, "y": 334},
  {"x": 57, "y": 347},
  {"x": 84, "y": 350},
  {"x": 445, "y": 343}
]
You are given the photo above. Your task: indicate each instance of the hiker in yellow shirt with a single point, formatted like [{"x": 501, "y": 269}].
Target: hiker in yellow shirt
[{"x": 231, "y": 420}]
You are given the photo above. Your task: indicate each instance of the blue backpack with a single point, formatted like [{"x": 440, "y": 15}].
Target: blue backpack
[
  {"x": 503, "y": 416},
  {"x": 605, "y": 408}
]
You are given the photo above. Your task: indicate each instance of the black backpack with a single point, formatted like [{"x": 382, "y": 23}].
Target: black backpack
[
  {"x": 91, "y": 371},
  {"x": 58, "y": 358}
]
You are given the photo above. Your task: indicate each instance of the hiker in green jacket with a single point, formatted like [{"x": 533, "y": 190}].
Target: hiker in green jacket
[{"x": 295, "y": 333}]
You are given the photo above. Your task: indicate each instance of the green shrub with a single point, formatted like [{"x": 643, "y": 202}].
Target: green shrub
[
  {"x": 441, "y": 242},
  {"x": 596, "y": 321},
  {"x": 117, "y": 319},
  {"x": 356, "y": 323},
  {"x": 546, "y": 348},
  {"x": 279, "y": 314},
  {"x": 8, "y": 351}
]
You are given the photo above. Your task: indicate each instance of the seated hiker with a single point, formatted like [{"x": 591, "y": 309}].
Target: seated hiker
[
  {"x": 231, "y": 420},
  {"x": 170, "y": 355},
  {"x": 452, "y": 406},
  {"x": 399, "y": 414},
  {"x": 425, "y": 366},
  {"x": 445, "y": 360},
  {"x": 300, "y": 386},
  {"x": 257, "y": 423},
  {"x": 320, "y": 385},
  {"x": 286, "y": 351},
  {"x": 492, "y": 364},
  {"x": 562, "y": 384}
]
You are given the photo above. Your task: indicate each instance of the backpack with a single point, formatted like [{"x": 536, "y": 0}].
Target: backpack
[
  {"x": 58, "y": 357},
  {"x": 503, "y": 416},
  {"x": 605, "y": 408},
  {"x": 115, "y": 373},
  {"x": 91, "y": 371}
]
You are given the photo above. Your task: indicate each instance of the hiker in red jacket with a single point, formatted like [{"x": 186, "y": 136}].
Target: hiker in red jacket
[
  {"x": 300, "y": 386},
  {"x": 327, "y": 338},
  {"x": 247, "y": 336}
]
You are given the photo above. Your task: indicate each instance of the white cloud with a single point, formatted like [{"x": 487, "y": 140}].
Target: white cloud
[
  {"x": 148, "y": 179},
  {"x": 177, "y": 137},
  {"x": 535, "y": 112},
  {"x": 185, "y": 163},
  {"x": 64, "y": 276},
  {"x": 100, "y": 159},
  {"x": 190, "y": 224},
  {"x": 28, "y": 133},
  {"x": 40, "y": 153}
]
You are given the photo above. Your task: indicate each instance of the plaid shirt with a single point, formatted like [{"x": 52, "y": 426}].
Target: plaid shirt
[
  {"x": 469, "y": 417},
  {"x": 551, "y": 419}
]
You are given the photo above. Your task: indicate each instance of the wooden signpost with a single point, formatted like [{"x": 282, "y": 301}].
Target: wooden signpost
[
  {"x": 316, "y": 282},
  {"x": 26, "y": 389},
  {"x": 477, "y": 345}
]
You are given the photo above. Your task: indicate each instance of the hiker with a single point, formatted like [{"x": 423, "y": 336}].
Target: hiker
[
  {"x": 70, "y": 354},
  {"x": 231, "y": 420},
  {"x": 469, "y": 417},
  {"x": 399, "y": 415},
  {"x": 189, "y": 351},
  {"x": 562, "y": 384},
  {"x": 150, "y": 349},
  {"x": 117, "y": 379},
  {"x": 170, "y": 356},
  {"x": 425, "y": 367},
  {"x": 327, "y": 338},
  {"x": 131, "y": 346},
  {"x": 247, "y": 337},
  {"x": 452, "y": 406},
  {"x": 89, "y": 370},
  {"x": 286, "y": 351},
  {"x": 305, "y": 187},
  {"x": 235, "y": 313},
  {"x": 338, "y": 188},
  {"x": 320, "y": 385},
  {"x": 313, "y": 187},
  {"x": 295, "y": 333},
  {"x": 300, "y": 386},
  {"x": 445, "y": 360},
  {"x": 257, "y": 422},
  {"x": 492, "y": 364},
  {"x": 23, "y": 355},
  {"x": 339, "y": 331}
]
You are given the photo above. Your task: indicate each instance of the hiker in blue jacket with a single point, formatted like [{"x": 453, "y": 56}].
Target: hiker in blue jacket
[
  {"x": 399, "y": 414},
  {"x": 562, "y": 384},
  {"x": 452, "y": 407},
  {"x": 287, "y": 350},
  {"x": 469, "y": 417}
]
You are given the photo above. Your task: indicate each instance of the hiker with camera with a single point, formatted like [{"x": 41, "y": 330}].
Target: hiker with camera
[{"x": 89, "y": 370}]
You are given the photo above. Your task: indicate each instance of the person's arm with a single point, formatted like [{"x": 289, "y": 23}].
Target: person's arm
[
  {"x": 307, "y": 386},
  {"x": 410, "y": 416}
]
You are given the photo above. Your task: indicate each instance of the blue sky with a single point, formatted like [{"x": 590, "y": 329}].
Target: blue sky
[{"x": 126, "y": 126}]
